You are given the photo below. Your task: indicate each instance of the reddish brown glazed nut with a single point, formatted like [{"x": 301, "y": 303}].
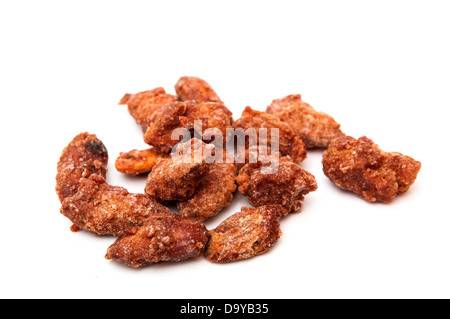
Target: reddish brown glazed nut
[
  {"x": 108, "y": 210},
  {"x": 166, "y": 237},
  {"x": 289, "y": 143},
  {"x": 287, "y": 186},
  {"x": 245, "y": 234},
  {"x": 214, "y": 192},
  {"x": 361, "y": 167},
  {"x": 191, "y": 88},
  {"x": 177, "y": 177},
  {"x": 187, "y": 115},
  {"x": 143, "y": 104},
  {"x": 316, "y": 129},
  {"x": 85, "y": 155}
]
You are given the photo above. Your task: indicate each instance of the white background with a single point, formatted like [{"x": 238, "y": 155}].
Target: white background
[{"x": 380, "y": 68}]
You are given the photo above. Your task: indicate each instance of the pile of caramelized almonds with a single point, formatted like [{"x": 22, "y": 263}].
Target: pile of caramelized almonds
[{"x": 200, "y": 188}]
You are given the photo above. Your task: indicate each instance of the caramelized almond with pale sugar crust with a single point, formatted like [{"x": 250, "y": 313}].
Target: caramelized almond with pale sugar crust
[
  {"x": 162, "y": 124},
  {"x": 214, "y": 192},
  {"x": 289, "y": 143},
  {"x": 137, "y": 162},
  {"x": 362, "y": 167},
  {"x": 287, "y": 186},
  {"x": 166, "y": 237},
  {"x": 108, "y": 210},
  {"x": 254, "y": 154},
  {"x": 251, "y": 232},
  {"x": 143, "y": 104},
  {"x": 187, "y": 115},
  {"x": 316, "y": 129},
  {"x": 85, "y": 155},
  {"x": 189, "y": 88},
  {"x": 177, "y": 177}
]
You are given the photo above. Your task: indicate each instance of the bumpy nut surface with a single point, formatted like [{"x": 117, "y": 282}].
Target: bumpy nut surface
[
  {"x": 289, "y": 143},
  {"x": 177, "y": 177},
  {"x": 85, "y": 155},
  {"x": 190, "y": 88},
  {"x": 214, "y": 192},
  {"x": 245, "y": 234},
  {"x": 361, "y": 167},
  {"x": 166, "y": 237},
  {"x": 214, "y": 118},
  {"x": 316, "y": 129},
  {"x": 287, "y": 186},
  {"x": 143, "y": 104},
  {"x": 108, "y": 210}
]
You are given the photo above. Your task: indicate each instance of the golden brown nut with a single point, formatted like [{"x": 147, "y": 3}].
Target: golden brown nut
[
  {"x": 108, "y": 210},
  {"x": 165, "y": 237},
  {"x": 177, "y": 177},
  {"x": 287, "y": 186},
  {"x": 361, "y": 167},
  {"x": 85, "y": 155},
  {"x": 316, "y": 129},
  {"x": 191, "y": 88},
  {"x": 198, "y": 119},
  {"x": 214, "y": 192},
  {"x": 245, "y": 234},
  {"x": 289, "y": 143},
  {"x": 143, "y": 104},
  {"x": 138, "y": 162}
]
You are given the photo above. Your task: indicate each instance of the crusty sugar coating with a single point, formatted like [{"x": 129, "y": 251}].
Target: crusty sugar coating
[
  {"x": 360, "y": 166},
  {"x": 254, "y": 154},
  {"x": 164, "y": 237},
  {"x": 316, "y": 129},
  {"x": 190, "y": 88},
  {"x": 143, "y": 104},
  {"x": 108, "y": 210},
  {"x": 137, "y": 162},
  {"x": 287, "y": 186},
  {"x": 289, "y": 143},
  {"x": 214, "y": 192},
  {"x": 248, "y": 233},
  {"x": 177, "y": 177},
  {"x": 188, "y": 115},
  {"x": 85, "y": 155}
]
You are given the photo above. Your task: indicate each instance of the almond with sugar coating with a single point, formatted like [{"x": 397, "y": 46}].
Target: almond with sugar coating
[
  {"x": 177, "y": 177},
  {"x": 286, "y": 185},
  {"x": 85, "y": 155},
  {"x": 108, "y": 210},
  {"x": 143, "y": 104},
  {"x": 251, "y": 232},
  {"x": 190, "y": 88},
  {"x": 167, "y": 237},
  {"x": 360, "y": 166},
  {"x": 316, "y": 129}
]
